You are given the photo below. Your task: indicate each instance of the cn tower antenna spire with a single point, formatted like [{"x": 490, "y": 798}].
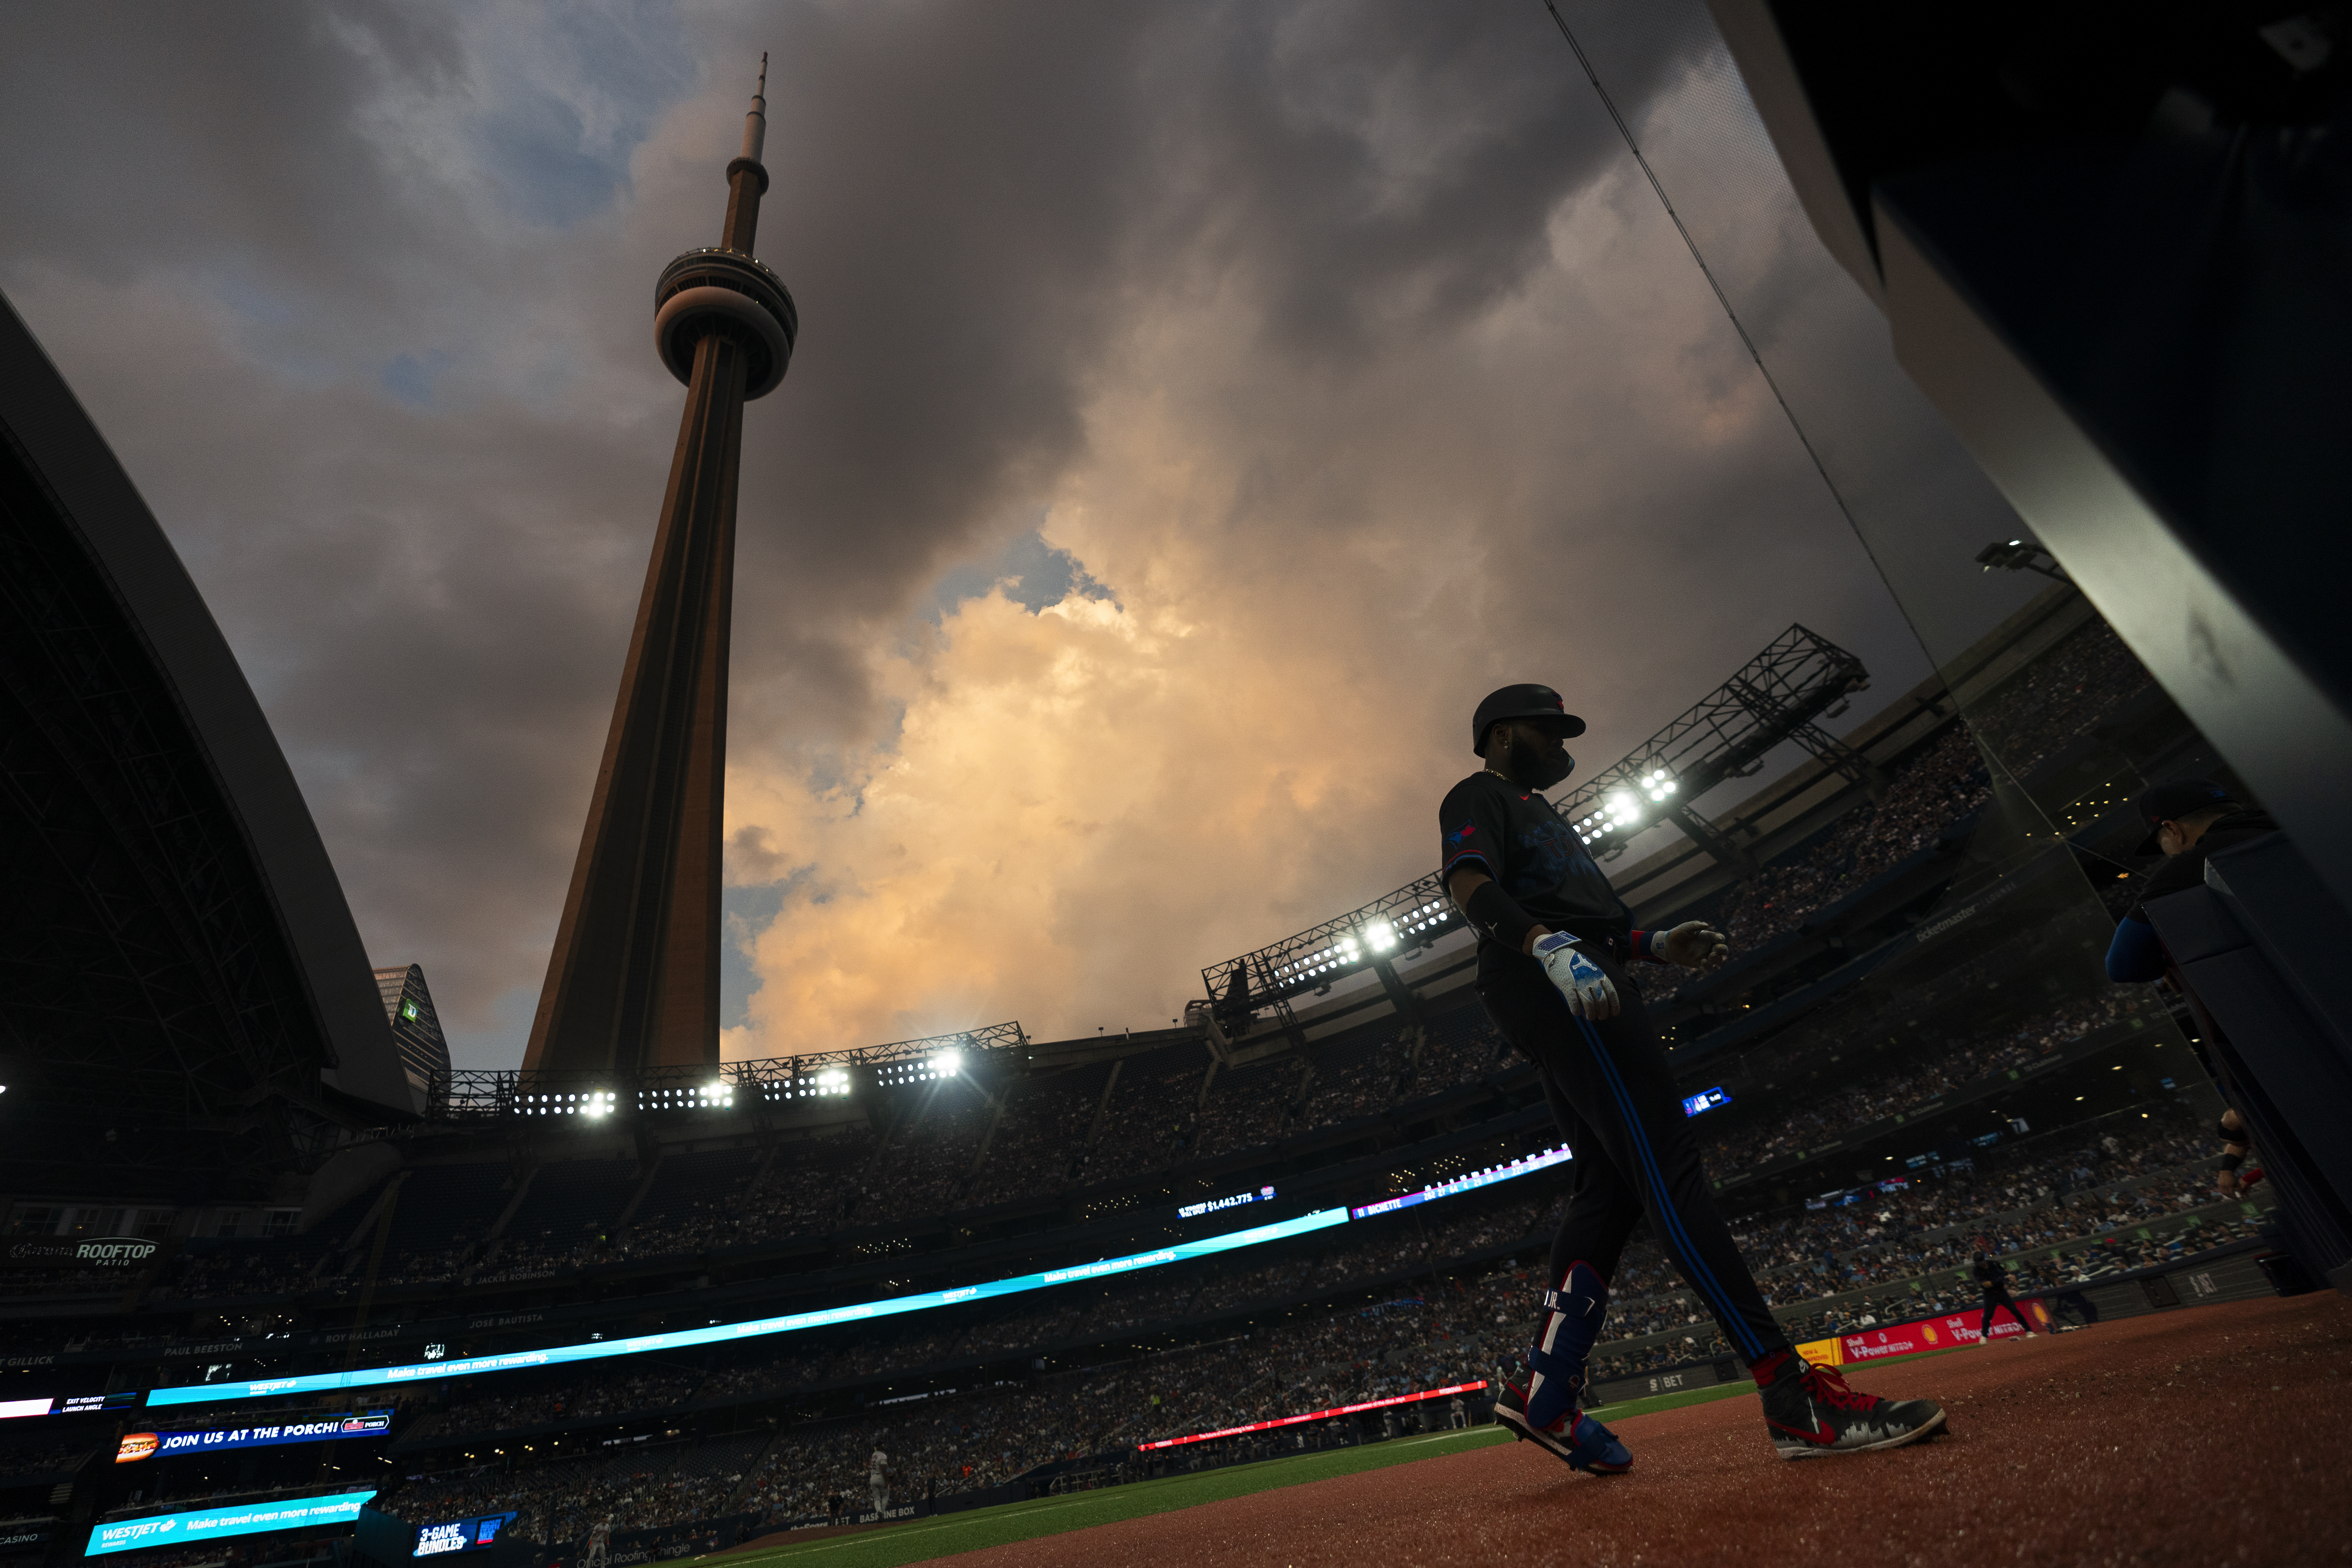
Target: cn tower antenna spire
[{"x": 755, "y": 124}]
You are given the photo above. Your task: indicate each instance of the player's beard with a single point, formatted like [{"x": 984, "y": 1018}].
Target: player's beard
[{"x": 1540, "y": 766}]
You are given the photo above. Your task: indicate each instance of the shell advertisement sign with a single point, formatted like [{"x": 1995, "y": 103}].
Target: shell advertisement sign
[{"x": 1927, "y": 1334}]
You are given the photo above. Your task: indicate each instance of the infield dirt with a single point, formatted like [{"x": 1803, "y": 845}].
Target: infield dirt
[{"x": 2205, "y": 1435}]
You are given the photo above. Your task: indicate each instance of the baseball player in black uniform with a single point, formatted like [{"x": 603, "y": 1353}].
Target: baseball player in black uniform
[
  {"x": 1552, "y": 940},
  {"x": 1994, "y": 1281}
]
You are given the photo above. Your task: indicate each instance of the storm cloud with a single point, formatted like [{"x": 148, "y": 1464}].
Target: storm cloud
[{"x": 1197, "y": 408}]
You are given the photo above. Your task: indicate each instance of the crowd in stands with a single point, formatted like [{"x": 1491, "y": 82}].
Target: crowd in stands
[
  {"x": 2058, "y": 697},
  {"x": 856, "y": 1177},
  {"x": 1458, "y": 1042},
  {"x": 1927, "y": 1224},
  {"x": 1042, "y": 1128},
  {"x": 61, "y": 1281},
  {"x": 1935, "y": 1064},
  {"x": 607, "y": 1393},
  {"x": 1941, "y": 784},
  {"x": 2043, "y": 1194},
  {"x": 638, "y": 1489},
  {"x": 970, "y": 1445},
  {"x": 1173, "y": 1108},
  {"x": 272, "y": 1549},
  {"x": 1461, "y": 1038},
  {"x": 39, "y": 1457},
  {"x": 1436, "y": 1333}
]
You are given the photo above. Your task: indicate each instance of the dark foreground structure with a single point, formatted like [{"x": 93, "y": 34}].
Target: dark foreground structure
[
  {"x": 183, "y": 998},
  {"x": 2111, "y": 247}
]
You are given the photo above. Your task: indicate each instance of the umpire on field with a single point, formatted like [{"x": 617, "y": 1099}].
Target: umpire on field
[
  {"x": 1994, "y": 1280},
  {"x": 1553, "y": 939}
]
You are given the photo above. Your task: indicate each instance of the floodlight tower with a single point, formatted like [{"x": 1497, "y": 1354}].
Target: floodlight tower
[{"x": 634, "y": 980}]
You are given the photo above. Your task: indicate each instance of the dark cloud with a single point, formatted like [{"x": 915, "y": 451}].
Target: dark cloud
[{"x": 1327, "y": 347}]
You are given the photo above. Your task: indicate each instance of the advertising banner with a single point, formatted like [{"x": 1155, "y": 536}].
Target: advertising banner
[
  {"x": 104, "y": 1251},
  {"x": 137, "y": 1446},
  {"x": 219, "y": 1523},
  {"x": 460, "y": 1534},
  {"x": 1935, "y": 1333}
]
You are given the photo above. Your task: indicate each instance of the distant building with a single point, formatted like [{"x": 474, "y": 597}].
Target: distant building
[{"x": 415, "y": 1028}]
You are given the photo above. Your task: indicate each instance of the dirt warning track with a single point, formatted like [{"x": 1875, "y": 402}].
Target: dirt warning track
[{"x": 2210, "y": 1435}]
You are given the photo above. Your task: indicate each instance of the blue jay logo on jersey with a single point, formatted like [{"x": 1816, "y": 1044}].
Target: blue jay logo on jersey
[
  {"x": 1546, "y": 851},
  {"x": 1459, "y": 839}
]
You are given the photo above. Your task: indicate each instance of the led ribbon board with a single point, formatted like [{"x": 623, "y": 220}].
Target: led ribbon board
[
  {"x": 721, "y": 1333},
  {"x": 1316, "y": 1415},
  {"x": 1525, "y": 1165},
  {"x": 220, "y": 1523},
  {"x": 1705, "y": 1100}
]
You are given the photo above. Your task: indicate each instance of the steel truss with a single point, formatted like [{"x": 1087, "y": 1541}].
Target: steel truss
[
  {"x": 1727, "y": 734},
  {"x": 1388, "y": 928}
]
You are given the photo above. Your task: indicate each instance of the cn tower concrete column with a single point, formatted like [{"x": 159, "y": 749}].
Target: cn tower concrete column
[{"x": 633, "y": 981}]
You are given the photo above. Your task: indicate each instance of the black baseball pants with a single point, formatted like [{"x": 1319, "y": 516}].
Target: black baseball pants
[
  {"x": 1995, "y": 1299},
  {"x": 1614, "y": 1100}
]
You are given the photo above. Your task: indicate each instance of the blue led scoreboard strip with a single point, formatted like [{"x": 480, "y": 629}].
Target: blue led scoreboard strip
[{"x": 721, "y": 1333}]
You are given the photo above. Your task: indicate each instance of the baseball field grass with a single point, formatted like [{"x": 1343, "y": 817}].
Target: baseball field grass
[{"x": 920, "y": 1540}]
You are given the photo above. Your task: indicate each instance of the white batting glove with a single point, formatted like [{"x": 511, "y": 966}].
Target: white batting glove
[{"x": 1589, "y": 994}]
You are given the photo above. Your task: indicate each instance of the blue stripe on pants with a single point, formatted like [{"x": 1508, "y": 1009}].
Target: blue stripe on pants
[{"x": 1701, "y": 1276}]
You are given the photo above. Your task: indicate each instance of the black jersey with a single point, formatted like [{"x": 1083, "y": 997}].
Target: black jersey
[{"x": 1515, "y": 836}]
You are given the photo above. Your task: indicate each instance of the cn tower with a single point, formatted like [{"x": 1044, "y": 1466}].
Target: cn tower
[{"x": 634, "y": 980}]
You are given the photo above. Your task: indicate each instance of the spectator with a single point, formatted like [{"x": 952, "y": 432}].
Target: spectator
[{"x": 2187, "y": 820}]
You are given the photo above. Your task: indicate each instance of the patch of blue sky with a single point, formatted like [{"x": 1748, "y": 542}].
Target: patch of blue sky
[
  {"x": 1036, "y": 576},
  {"x": 282, "y": 322},
  {"x": 747, "y": 912},
  {"x": 411, "y": 378},
  {"x": 575, "y": 90}
]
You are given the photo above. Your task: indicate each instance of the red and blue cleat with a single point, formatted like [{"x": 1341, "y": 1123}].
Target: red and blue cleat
[
  {"x": 1545, "y": 1412},
  {"x": 1575, "y": 1436}
]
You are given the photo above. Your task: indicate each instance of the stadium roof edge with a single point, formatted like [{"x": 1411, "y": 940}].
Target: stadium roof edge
[{"x": 93, "y": 496}]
